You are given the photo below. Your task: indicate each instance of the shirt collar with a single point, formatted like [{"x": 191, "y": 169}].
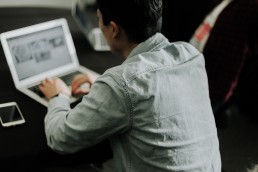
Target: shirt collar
[{"x": 153, "y": 43}]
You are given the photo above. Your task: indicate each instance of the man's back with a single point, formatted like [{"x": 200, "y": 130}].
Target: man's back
[{"x": 171, "y": 122}]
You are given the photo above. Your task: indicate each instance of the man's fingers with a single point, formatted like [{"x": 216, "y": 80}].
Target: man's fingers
[
  {"x": 78, "y": 82},
  {"x": 80, "y": 91}
]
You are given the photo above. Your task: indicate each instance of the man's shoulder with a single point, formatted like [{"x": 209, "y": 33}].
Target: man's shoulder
[
  {"x": 184, "y": 48},
  {"x": 175, "y": 54},
  {"x": 181, "y": 52}
]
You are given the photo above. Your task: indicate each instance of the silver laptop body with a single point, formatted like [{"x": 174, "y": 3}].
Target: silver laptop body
[{"x": 39, "y": 51}]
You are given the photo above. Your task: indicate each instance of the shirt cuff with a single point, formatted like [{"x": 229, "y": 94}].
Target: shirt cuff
[
  {"x": 59, "y": 100},
  {"x": 64, "y": 96},
  {"x": 60, "y": 95}
]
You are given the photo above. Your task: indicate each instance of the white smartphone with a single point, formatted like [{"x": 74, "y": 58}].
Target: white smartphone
[{"x": 10, "y": 114}]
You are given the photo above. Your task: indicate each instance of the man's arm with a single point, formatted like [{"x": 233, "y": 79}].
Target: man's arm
[{"x": 101, "y": 113}]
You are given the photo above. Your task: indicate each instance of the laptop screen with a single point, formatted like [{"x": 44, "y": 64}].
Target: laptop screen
[{"x": 39, "y": 52}]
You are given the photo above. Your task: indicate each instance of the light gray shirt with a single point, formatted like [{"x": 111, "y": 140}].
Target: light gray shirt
[{"x": 154, "y": 108}]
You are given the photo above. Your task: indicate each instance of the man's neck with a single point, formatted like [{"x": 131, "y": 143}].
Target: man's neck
[{"x": 128, "y": 49}]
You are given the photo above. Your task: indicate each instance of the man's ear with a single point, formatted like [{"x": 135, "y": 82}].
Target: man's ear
[{"x": 115, "y": 29}]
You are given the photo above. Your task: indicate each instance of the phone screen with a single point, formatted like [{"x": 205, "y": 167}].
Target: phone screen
[{"x": 10, "y": 114}]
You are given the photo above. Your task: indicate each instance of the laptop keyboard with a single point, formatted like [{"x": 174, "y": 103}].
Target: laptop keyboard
[
  {"x": 36, "y": 90},
  {"x": 66, "y": 78},
  {"x": 69, "y": 77}
]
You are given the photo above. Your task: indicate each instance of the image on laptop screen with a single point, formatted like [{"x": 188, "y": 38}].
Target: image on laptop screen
[{"x": 39, "y": 52}]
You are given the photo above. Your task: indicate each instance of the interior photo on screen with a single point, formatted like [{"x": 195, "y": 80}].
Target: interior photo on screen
[{"x": 42, "y": 50}]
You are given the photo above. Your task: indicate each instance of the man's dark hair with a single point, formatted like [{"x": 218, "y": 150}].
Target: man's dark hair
[{"x": 140, "y": 19}]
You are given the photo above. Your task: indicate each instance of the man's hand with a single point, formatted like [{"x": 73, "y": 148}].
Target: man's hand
[
  {"x": 81, "y": 84},
  {"x": 53, "y": 86}
]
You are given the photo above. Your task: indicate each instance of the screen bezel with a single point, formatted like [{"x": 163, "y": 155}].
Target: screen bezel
[{"x": 37, "y": 28}]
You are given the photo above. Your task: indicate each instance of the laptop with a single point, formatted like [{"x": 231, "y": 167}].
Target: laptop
[
  {"x": 39, "y": 51},
  {"x": 84, "y": 14}
]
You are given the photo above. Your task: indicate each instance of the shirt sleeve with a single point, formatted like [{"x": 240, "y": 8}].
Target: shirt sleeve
[{"x": 100, "y": 114}]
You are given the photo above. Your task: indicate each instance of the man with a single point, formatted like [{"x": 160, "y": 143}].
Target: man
[{"x": 154, "y": 108}]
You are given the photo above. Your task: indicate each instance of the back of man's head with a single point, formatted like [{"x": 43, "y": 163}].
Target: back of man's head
[{"x": 140, "y": 19}]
